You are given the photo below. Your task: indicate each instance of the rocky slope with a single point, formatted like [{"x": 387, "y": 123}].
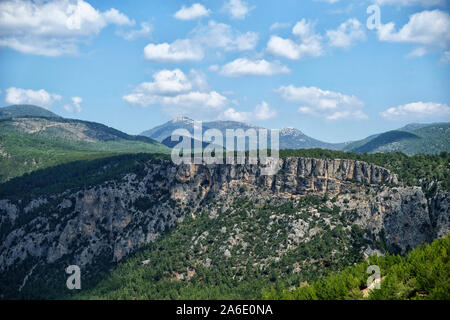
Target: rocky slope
[
  {"x": 289, "y": 138},
  {"x": 102, "y": 224}
]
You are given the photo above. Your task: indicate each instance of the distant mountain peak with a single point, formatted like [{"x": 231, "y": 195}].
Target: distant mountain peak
[
  {"x": 290, "y": 138},
  {"x": 182, "y": 119},
  {"x": 291, "y": 131}
]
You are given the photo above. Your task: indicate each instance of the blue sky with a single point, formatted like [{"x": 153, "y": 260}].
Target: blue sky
[{"x": 313, "y": 65}]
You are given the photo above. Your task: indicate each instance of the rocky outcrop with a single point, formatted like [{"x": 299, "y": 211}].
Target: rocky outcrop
[{"x": 112, "y": 219}]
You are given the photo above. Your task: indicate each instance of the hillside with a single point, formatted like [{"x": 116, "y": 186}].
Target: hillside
[
  {"x": 221, "y": 231},
  {"x": 411, "y": 139},
  {"x": 422, "y": 274},
  {"x": 24, "y": 110},
  {"x": 390, "y": 141},
  {"x": 30, "y": 143}
]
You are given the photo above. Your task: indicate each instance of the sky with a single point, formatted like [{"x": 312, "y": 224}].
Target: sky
[{"x": 337, "y": 70}]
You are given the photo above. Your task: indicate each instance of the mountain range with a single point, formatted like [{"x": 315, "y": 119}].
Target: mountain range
[
  {"x": 32, "y": 138},
  {"x": 411, "y": 139}
]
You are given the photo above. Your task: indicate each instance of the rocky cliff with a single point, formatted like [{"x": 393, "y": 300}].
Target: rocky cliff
[{"x": 108, "y": 221}]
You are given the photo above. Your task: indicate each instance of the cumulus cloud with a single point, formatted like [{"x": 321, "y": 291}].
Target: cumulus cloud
[
  {"x": 244, "y": 67},
  {"x": 233, "y": 115},
  {"x": 264, "y": 112},
  {"x": 178, "y": 94},
  {"x": 237, "y": 9},
  {"x": 426, "y": 3},
  {"x": 426, "y": 27},
  {"x": 346, "y": 34},
  {"x": 307, "y": 44},
  {"x": 418, "y": 111},
  {"x": 284, "y": 47},
  {"x": 52, "y": 28},
  {"x": 40, "y": 97},
  {"x": 279, "y": 25},
  {"x": 323, "y": 103},
  {"x": 261, "y": 112},
  {"x": 211, "y": 36},
  {"x": 184, "y": 50},
  {"x": 75, "y": 106},
  {"x": 193, "y": 12},
  {"x": 144, "y": 31},
  {"x": 222, "y": 36},
  {"x": 430, "y": 29}
]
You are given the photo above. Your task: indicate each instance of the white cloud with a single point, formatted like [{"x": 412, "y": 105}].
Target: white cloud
[
  {"x": 178, "y": 51},
  {"x": 213, "y": 35},
  {"x": 193, "y": 12},
  {"x": 430, "y": 29},
  {"x": 426, "y": 28},
  {"x": 75, "y": 107},
  {"x": 261, "y": 112},
  {"x": 426, "y": 3},
  {"x": 144, "y": 31},
  {"x": 233, "y": 115},
  {"x": 196, "y": 99},
  {"x": 237, "y": 9},
  {"x": 178, "y": 94},
  {"x": 220, "y": 35},
  {"x": 418, "y": 52},
  {"x": 284, "y": 47},
  {"x": 243, "y": 67},
  {"x": 52, "y": 28},
  {"x": 445, "y": 57},
  {"x": 111, "y": 16},
  {"x": 323, "y": 103},
  {"x": 346, "y": 34},
  {"x": 40, "y": 98},
  {"x": 279, "y": 25},
  {"x": 418, "y": 111},
  {"x": 308, "y": 43}
]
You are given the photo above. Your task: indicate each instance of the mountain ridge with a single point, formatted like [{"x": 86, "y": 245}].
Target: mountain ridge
[
  {"x": 400, "y": 140},
  {"x": 31, "y": 140},
  {"x": 20, "y": 110},
  {"x": 290, "y": 138},
  {"x": 430, "y": 138}
]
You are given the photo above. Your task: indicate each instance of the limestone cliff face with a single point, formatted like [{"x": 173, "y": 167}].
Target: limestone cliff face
[{"x": 112, "y": 219}]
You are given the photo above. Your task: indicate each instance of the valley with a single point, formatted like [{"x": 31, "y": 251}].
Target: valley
[{"x": 141, "y": 227}]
